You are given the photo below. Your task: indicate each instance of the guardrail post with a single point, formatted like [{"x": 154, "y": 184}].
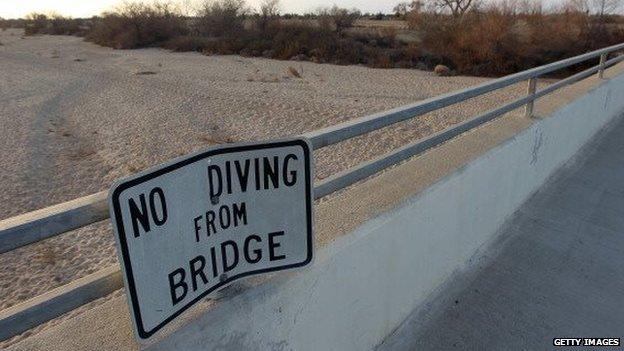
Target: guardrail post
[
  {"x": 531, "y": 88},
  {"x": 603, "y": 60}
]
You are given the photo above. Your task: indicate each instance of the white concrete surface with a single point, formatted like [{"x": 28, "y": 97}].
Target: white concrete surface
[{"x": 557, "y": 270}]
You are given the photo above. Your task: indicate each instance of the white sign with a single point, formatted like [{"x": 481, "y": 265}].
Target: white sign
[{"x": 191, "y": 226}]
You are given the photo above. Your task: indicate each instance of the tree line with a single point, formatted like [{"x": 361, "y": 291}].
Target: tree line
[{"x": 469, "y": 36}]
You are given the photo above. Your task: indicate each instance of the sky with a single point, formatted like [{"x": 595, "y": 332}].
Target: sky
[{"x": 88, "y": 8}]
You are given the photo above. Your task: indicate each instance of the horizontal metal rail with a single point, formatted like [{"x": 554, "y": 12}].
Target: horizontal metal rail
[
  {"x": 31, "y": 227},
  {"x": 38, "y": 225},
  {"x": 335, "y": 134},
  {"x": 41, "y": 224},
  {"x": 19, "y": 318},
  {"x": 352, "y": 175}
]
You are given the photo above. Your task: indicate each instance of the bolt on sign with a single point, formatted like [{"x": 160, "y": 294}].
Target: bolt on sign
[{"x": 194, "y": 225}]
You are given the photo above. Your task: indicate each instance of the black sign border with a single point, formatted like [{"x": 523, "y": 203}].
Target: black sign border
[{"x": 120, "y": 187}]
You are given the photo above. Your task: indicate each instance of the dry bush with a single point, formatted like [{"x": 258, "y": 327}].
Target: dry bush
[
  {"x": 220, "y": 28},
  {"x": 320, "y": 45},
  {"x": 337, "y": 18},
  {"x": 477, "y": 43},
  {"x": 134, "y": 25},
  {"x": 220, "y": 18},
  {"x": 269, "y": 14},
  {"x": 509, "y": 36},
  {"x": 503, "y": 38},
  {"x": 36, "y": 23},
  {"x": 301, "y": 42},
  {"x": 60, "y": 25},
  {"x": 188, "y": 43},
  {"x": 54, "y": 24},
  {"x": 343, "y": 18},
  {"x": 12, "y": 23}
]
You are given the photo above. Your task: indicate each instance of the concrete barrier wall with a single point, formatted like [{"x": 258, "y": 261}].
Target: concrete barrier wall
[{"x": 366, "y": 283}]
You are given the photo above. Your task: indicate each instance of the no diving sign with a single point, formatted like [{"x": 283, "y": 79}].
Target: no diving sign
[{"x": 191, "y": 226}]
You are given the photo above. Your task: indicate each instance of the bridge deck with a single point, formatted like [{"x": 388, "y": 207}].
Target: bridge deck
[{"x": 558, "y": 273}]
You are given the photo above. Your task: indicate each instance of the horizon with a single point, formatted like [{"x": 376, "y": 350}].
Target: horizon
[
  {"x": 83, "y": 9},
  {"x": 86, "y": 9}
]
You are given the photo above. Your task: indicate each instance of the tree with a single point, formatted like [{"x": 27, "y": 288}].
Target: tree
[
  {"x": 402, "y": 9},
  {"x": 342, "y": 18},
  {"x": 270, "y": 9},
  {"x": 598, "y": 7},
  {"x": 221, "y": 17},
  {"x": 456, "y": 7}
]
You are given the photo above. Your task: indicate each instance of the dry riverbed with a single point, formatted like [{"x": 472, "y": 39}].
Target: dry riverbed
[{"x": 76, "y": 116}]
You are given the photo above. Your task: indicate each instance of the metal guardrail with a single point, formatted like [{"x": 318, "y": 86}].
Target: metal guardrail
[{"x": 45, "y": 223}]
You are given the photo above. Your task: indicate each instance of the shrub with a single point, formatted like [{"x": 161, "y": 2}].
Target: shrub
[
  {"x": 54, "y": 24},
  {"x": 36, "y": 23},
  {"x": 343, "y": 18},
  {"x": 338, "y": 18},
  {"x": 503, "y": 39},
  {"x": 136, "y": 25},
  {"x": 188, "y": 43},
  {"x": 12, "y": 23},
  {"x": 221, "y": 18},
  {"x": 269, "y": 14},
  {"x": 60, "y": 25}
]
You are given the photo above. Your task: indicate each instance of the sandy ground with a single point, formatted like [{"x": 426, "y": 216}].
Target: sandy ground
[{"x": 76, "y": 116}]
